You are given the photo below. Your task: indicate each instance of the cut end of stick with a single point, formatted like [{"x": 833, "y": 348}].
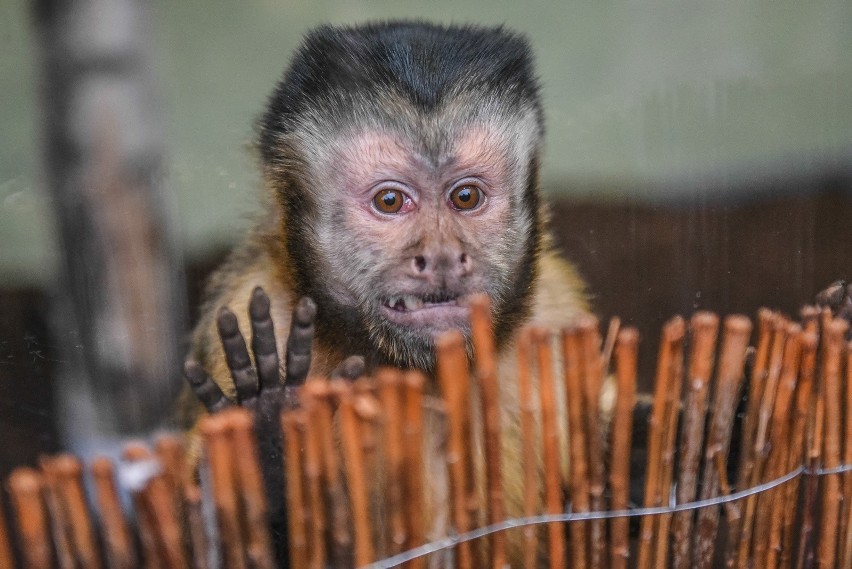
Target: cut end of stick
[
  {"x": 737, "y": 324},
  {"x": 211, "y": 426},
  {"x": 628, "y": 337},
  {"x": 704, "y": 320},
  {"x": 448, "y": 341},
  {"x": 25, "y": 482},
  {"x": 102, "y": 467},
  {"x": 135, "y": 451}
]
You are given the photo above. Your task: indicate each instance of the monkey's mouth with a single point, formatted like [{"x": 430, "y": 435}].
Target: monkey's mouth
[
  {"x": 410, "y": 302},
  {"x": 430, "y": 312}
]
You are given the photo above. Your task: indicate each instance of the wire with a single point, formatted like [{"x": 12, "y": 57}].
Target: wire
[{"x": 452, "y": 541}]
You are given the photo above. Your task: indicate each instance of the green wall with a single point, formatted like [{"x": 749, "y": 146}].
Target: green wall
[{"x": 642, "y": 98}]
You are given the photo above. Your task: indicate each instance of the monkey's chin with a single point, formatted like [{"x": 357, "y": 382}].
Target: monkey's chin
[{"x": 431, "y": 320}]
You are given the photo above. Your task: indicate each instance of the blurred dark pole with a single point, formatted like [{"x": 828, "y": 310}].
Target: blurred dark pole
[{"x": 119, "y": 308}]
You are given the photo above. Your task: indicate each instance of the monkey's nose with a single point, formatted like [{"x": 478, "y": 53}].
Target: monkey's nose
[{"x": 457, "y": 265}]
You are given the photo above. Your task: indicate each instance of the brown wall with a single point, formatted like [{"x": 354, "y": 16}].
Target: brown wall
[
  {"x": 646, "y": 263},
  {"x": 643, "y": 262}
]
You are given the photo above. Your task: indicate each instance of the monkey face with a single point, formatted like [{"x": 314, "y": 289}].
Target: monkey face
[
  {"x": 404, "y": 157},
  {"x": 410, "y": 233}
]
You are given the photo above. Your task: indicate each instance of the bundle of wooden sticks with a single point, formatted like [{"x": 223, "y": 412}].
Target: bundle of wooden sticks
[{"x": 768, "y": 487}]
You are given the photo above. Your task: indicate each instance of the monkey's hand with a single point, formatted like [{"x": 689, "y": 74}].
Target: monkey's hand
[
  {"x": 837, "y": 297},
  {"x": 259, "y": 387}
]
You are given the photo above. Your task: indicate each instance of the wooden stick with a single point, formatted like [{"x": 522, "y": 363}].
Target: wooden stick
[
  {"x": 757, "y": 382},
  {"x": 810, "y": 316},
  {"x": 672, "y": 412},
  {"x": 293, "y": 444},
  {"x": 797, "y": 454},
  {"x": 413, "y": 383},
  {"x": 732, "y": 512},
  {"x": 486, "y": 374},
  {"x": 729, "y": 377},
  {"x": 25, "y": 487},
  {"x": 767, "y": 535},
  {"x": 759, "y": 442},
  {"x": 69, "y": 473},
  {"x": 116, "y": 536},
  {"x": 354, "y": 464},
  {"x": 195, "y": 526},
  {"x": 6, "y": 557},
  {"x": 528, "y": 442},
  {"x": 550, "y": 448},
  {"x": 453, "y": 378},
  {"x": 250, "y": 483},
  {"x": 609, "y": 344},
  {"x": 705, "y": 329},
  {"x": 806, "y": 555},
  {"x": 572, "y": 346},
  {"x": 314, "y": 477},
  {"x": 592, "y": 370},
  {"x": 322, "y": 421},
  {"x": 626, "y": 352},
  {"x": 845, "y": 549},
  {"x": 368, "y": 410},
  {"x": 831, "y": 490},
  {"x": 172, "y": 455},
  {"x": 389, "y": 395},
  {"x": 167, "y": 528},
  {"x": 60, "y": 525},
  {"x": 136, "y": 452},
  {"x": 673, "y": 330},
  {"x": 759, "y": 373},
  {"x": 214, "y": 429}
]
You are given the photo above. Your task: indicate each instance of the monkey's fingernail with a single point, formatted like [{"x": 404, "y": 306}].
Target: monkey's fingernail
[
  {"x": 259, "y": 305},
  {"x": 193, "y": 372},
  {"x": 306, "y": 310},
  {"x": 227, "y": 322}
]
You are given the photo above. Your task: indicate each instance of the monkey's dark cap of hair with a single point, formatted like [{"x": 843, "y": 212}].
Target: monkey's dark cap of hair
[{"x": 418, "y": 61}]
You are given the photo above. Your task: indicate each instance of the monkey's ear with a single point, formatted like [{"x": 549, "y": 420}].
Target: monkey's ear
[
  {"x": 298, "y": 357},
  {"x": 204, "y": 387}
]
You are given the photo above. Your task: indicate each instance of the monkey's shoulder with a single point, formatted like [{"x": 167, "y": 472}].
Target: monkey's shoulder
[{"x": 560, "y": 296}]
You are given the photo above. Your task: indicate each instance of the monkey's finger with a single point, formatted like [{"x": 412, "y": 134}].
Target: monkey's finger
[
  {"x": 204, "y": 387},
  {"x": 263, "y": 340},
  {"x": 832, "y": 296},
  {"x": 351, "y": 368},
  {"x": 236, "y": 355},
  {"x": 299, "y": 342}
]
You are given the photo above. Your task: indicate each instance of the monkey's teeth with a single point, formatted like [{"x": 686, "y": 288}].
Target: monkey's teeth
[{"x": 404, "y": 303}]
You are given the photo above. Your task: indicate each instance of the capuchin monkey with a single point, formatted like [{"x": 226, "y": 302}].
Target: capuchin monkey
[{"x": 401, "y": 166}]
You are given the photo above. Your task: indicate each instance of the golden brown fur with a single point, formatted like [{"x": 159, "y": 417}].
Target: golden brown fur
[{"x": 471, "y": 112}]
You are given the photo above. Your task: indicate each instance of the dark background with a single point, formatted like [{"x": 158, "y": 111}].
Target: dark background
[{"x": 642, "y": 262}]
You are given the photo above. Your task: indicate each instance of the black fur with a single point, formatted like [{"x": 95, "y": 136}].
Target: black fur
[
  {"x": 422, "y": 62},
  {"x": 341, "y": 73}
]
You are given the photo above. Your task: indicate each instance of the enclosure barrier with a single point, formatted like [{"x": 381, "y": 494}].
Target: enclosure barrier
[{"x": 363, "y": 487}]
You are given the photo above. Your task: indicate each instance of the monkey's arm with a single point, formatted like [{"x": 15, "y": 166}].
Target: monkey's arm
[{"x": 258, "y": 385}]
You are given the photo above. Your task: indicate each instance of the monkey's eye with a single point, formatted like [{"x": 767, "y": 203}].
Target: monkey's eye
[
  {"x": 389, "y": 201},
  {"x": 465, "y": 197}
]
